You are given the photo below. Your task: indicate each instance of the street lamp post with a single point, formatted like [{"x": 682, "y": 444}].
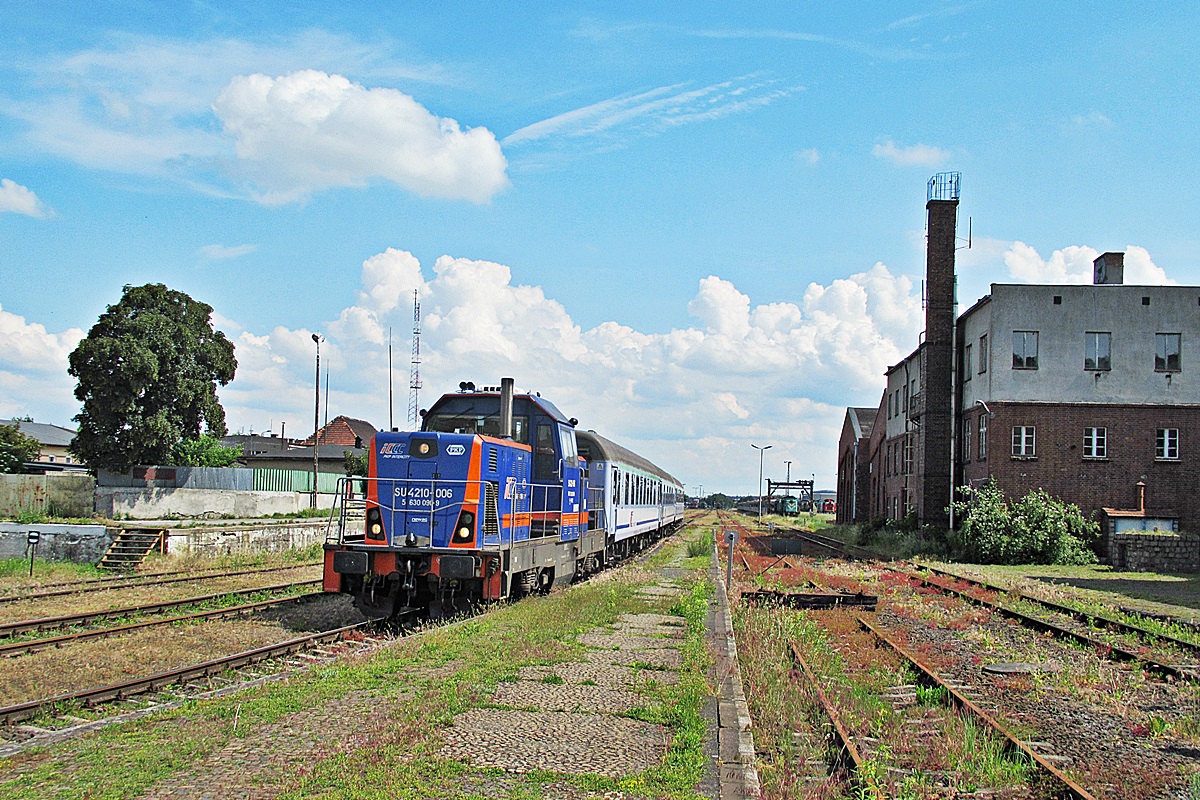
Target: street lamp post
[
  {"x": 316, "y": 418},
  {"x": 760, "y": 450}
]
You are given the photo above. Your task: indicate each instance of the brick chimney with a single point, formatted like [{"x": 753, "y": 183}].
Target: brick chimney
[
  {"x": 1109, "y": 268},
  {"x": 937, "y": 357}
]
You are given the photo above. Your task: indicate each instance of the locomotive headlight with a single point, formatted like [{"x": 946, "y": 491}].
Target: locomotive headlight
[
  {"x": 374, "y": 523},
  {"x": 423, "y": 448},
  {"x": 464, "y": 531}
]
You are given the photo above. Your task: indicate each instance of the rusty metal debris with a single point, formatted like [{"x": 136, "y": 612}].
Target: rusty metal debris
[{"x": 812, "y": 600}]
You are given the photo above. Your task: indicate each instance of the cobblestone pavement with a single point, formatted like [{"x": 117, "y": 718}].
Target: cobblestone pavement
[
  {"x": 534, "y": 731},
  {"x": 571, "y": 718}
]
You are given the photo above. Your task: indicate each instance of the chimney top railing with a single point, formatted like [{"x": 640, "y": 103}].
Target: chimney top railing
[{"x": 943, "y": 186}]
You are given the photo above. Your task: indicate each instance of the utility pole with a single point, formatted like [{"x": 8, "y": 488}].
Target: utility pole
[
  {"x": 760, "y": 450},
  {"x": 391, "y": 423},
  {"x": 316, "y": 419}
]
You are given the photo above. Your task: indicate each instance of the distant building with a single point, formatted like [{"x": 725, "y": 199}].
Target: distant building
[
  {"x": 337, "y": 437},
  {"x": 1091, "y": 392},
  {"x": 346, "y": 432},
  {"x": 54, "y": 440},
  {"x": 854, "y": 463}
]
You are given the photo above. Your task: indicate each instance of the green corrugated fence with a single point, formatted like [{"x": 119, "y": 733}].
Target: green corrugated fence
[{"x": 293, "y": 480}]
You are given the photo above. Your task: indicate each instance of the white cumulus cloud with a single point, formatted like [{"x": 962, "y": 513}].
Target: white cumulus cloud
[
  {"x": 1074, "y": 264},
  {"x": 309, "y": 130},
  {"x": 779, "y": 372},
  {"x": 221, "y": 252},
  {"x": 19, "y": 199},
  {"x": 919, "y": 155}
]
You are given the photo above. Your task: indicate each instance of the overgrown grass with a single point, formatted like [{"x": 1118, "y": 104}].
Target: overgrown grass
[{"x": 410, "y": 694}]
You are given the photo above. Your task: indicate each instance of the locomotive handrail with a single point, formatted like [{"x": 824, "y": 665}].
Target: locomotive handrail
[{"x": 527, "y": 501}]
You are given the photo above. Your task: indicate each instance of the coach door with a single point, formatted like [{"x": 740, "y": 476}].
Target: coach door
[
  {"x": 547, "y": 494},
  {"x": 574, "y": 510}
]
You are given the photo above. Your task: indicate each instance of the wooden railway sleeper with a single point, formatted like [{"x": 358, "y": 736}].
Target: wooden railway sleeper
[{"x": 1070, "y": 789}]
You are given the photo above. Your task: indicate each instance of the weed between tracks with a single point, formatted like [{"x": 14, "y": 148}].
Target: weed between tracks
[
  {"x": 380, "y": 720},
  {"x": 912, "y": 750}
]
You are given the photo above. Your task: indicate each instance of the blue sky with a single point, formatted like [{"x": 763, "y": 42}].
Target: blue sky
[{"x": 694, "y": 228}]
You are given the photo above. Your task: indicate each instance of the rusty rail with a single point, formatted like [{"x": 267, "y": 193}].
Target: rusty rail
[
  {"x": 51, "y": 623},
  {"x": 20, "y": 648},
  {"x": 1070, "y": 790},
  {"x": 843, "y": 740},
  {"x": 1111, "y": 651},
  {"x": 133, "y": 582},
  {"x": 120, "y": 691}
]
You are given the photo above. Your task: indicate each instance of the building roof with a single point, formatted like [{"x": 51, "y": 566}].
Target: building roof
[
  {"x": 864, "y": 421},
  {"x": 596, "y": 448},
  {"x": 343, "y": 431},
  {"x": 43, "y": 432}
]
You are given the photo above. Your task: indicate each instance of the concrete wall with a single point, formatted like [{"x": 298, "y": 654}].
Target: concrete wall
[
  {"x": 84, "y": 544},
  {"x": 245, "y": 538},
  {"x": 124, "y": 503},
  {"x": 58, "y": 495}
]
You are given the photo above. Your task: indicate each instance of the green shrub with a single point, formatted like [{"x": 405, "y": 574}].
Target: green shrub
[
  {"x": 1037, "y": 529},
  {"x": 701, "y": 546}
]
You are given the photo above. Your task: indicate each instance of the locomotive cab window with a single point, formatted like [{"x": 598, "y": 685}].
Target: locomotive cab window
[
  {"x": 545, "y": 457},
  {"x": 469, "y": 422}
]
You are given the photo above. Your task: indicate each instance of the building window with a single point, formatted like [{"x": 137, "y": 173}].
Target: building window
[
  {"x": 1095, "y": 443},
  {"x": 908, "y": 455},
  {"x": 1024, "y": 440},
  {"x": 1097, "y": 351},
  {"x": 1025, "y": 347},
  {"x": 983, "y": 436},
  {"x": 1167, "y": 443},
  {"x": 1166, "y": 352},
  {"x": 966, "y": 371},
  {"x": 983, "y": 354},
  {"x": 966, "y": 452}
]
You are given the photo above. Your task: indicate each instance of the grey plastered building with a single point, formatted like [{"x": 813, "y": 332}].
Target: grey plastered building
[{"x": 1089, "y": 391}]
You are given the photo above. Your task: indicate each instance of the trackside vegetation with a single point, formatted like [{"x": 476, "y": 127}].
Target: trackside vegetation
[{"x": 378, "y": 722}]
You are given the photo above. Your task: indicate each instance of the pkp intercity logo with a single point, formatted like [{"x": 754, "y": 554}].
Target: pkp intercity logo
[
  {"x": 455, "y": 450},
  {"x": 391, "y": 448}
]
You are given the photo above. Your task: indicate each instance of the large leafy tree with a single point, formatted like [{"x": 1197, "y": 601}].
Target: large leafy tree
[
  {"x": 16, "y": 448},
  {"x": 148, "y": 373}
]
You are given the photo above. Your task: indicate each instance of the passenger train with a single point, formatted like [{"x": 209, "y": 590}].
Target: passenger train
[{"x": 497, "y": 495}]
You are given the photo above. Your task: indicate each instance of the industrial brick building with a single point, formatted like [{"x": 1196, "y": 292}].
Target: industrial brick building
[{"x": 1091, "y": 392}]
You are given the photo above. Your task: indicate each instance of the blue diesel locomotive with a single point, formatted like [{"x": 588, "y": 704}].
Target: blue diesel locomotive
[{"x": 498, "y": 495}]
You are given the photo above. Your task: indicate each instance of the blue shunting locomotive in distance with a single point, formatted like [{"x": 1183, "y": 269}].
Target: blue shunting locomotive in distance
[{"x": 498, "y": 495}]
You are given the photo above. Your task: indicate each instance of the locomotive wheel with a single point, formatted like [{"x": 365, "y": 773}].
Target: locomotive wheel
[{"x": 527, "y": 582}]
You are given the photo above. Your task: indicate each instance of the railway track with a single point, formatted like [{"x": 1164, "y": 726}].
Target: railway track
[
  {"x": 1063, "y": 786},
  {"x": 127, "y": 582},
  {"x": 1108, "y": 649},
  {"x": 32, "y": 646},
  {"x": 10, "y": 629},
  {"x": 24, "y": 736}
]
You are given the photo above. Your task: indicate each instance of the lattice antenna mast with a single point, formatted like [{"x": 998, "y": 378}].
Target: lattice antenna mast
[{"x": 414, "y": 373}]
